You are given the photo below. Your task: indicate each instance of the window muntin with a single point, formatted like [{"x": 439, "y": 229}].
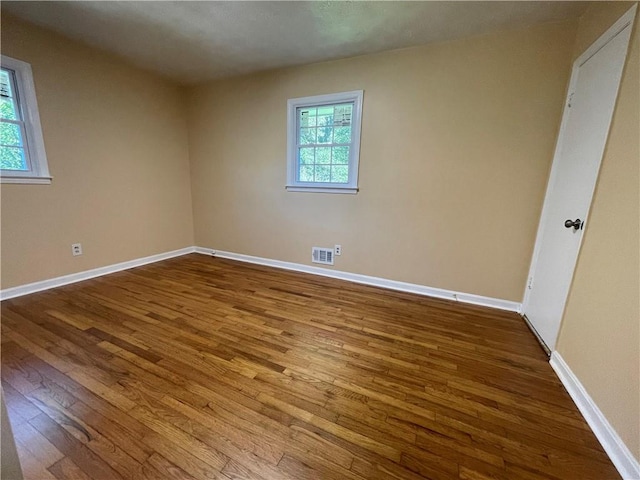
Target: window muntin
[
  {"x": 324, "y": 141},
  {"x": 22, "y": 154}
]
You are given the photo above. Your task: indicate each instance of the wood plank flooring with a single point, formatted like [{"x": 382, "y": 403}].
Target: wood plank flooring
[{"x": 204, "y": 368}]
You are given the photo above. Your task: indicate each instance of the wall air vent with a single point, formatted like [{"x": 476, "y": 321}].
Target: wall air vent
[{"x": 322, "y": 255}]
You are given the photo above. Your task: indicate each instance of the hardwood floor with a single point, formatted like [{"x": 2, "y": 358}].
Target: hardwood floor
[{"x": 204, "y": 368}]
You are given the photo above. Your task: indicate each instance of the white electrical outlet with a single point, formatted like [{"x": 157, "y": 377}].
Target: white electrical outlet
[
  {"x": 76, "y": 249},
  {"x": 338, "y": 249}
]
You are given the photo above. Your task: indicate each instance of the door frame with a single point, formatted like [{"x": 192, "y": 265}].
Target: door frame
[{"x": 626, "y": 20}]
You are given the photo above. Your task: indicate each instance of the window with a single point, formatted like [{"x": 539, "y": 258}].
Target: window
[
  {"x": 22, "y": 155},
  {"x": 323, "y": 143}
]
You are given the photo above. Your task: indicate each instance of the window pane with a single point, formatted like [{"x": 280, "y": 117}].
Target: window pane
[
  {"x": 340, "y": 155},
  {"x": 7, "y": 109},
  {"x": 307, "y": 136},
  {"x": 10, "y": 134},
  {"x": 307, "y": 117},
  {"x": 325, "y": 134},
  {"x": 12, "y": 158},
  {"x": 306, "y": 155},
  {"x": 325, "y": 120},
  {"x": 305, "y": 174},
  {"x": 326, "y": 110},
  {"x": 323, "y": 173},
  {"x": 340, "y": 174},
  {"x": 5, "y": 84},
  {"x": 342, "y": 135},
  {"x": 323, "y": 155},
  {"x": 342, "y": 114}
]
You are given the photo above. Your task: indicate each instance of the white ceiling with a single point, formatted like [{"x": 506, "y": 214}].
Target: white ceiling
[{"x": 191, "y": 42}]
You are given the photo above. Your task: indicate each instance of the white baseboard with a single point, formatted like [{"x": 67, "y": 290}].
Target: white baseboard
[
  {"x": 13, "y": 292},
  {"x": 620, "y": 455},
  {"x": 298, "y": 267},
  {"x": 368, "y": 280}
]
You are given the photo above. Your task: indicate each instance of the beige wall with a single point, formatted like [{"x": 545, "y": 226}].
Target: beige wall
[
  {"x": 116, "y": 141},
  {"x": 457, "y": 140},
  {"x": 600, "y": 335}
]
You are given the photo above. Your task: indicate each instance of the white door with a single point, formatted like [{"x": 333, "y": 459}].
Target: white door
[{"x": 583, "y": 135}]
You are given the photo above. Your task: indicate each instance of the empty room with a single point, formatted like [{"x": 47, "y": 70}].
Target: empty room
[{"x": 320, "y": 240}]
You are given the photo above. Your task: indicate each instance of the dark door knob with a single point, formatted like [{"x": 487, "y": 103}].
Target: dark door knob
[{"x": 576, "y": 224}]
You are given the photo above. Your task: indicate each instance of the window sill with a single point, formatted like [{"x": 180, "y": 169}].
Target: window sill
[
  {"x": 26, "y": 180},
  {"x": 347, "y": 190}
]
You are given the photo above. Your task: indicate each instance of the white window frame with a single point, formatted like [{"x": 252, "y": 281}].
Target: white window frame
[
  {"x": 35, "y": 155},
  {"x": 293, "y": 185}
]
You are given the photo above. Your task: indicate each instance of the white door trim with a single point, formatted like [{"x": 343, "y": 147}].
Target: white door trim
[{"x": 623, "y": 22}]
